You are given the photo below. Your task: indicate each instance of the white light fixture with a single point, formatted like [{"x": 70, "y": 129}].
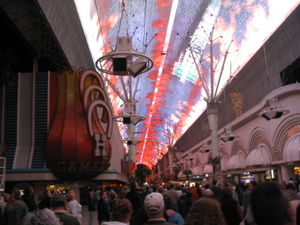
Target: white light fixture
[
  {"x": 228, "y": 135},
  {"x": 205, "y": 148},
  {"x": 124, "y": 61},
  {"x": 274, "y": 111}
]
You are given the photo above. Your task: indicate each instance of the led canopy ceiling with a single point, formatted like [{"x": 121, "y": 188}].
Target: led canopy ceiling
[{"x": 171, "y": 95}]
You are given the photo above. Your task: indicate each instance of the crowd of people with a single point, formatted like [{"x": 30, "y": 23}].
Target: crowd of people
[{"x": 268, "y": 203}]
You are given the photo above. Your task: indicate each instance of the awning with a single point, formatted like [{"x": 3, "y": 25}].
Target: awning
[
  {"x": 291, "y": 150},
  {"x": 208, "y": 169},
  {"x": 197, "y": 171},
  {"x": 237, "y": 161},
  {"x": 259, "y": 156}
]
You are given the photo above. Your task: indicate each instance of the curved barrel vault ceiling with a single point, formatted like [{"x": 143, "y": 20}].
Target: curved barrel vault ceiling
[{"x": 171, "y": 95}]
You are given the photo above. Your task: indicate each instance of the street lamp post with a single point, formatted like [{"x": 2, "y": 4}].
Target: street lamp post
[
  {"x": 125, "y": 62},
  {"x": 210, "y": 86}
]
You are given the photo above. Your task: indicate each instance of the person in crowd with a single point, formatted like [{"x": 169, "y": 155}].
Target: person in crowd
[
  {"x": 247, "y": 195},
  {"x": 205, "y": 211},
  {"x": 113, "y": 197},
  {"x": 28, "y": 198},
  {"x": 208, "y": 193},
  {"x": 230, "y": 207},
  {"x": 121, "y": 212},
  {"x": 59, "y": 207},
  {"x": 92, "y": 204},
  {"x": 73, "y": 205},
  {"x": 291, "y": 195},
  {"x": 160, "y": 189},
  {"x": 140, "y": 217},
  {"x": 15, "y": 209},
  {"x": 103, "y": 208},
  {"x": 44, "y": 216},
  {"x": 173, "y": 194},
  {"x": 135, "y": 197},
  {"x": 122, "y": 192},
  {"x": 45, "y": 200},
  {"x": 185, "y": 202},
  {"x": 217, "y": 190},
  {"x": 2, "y": 205},
  {"x": 196, "y": 192},
  {"x": 238, "y": 193},
  {"x": 270, "y": 206},
  {"x": 147, "y": 190},
  {"x": 298, "y": 215},
  {"x": 172, "y": 216},
  {"x": 155, "y": 207}
]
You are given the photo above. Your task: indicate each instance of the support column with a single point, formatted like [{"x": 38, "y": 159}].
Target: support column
[{"x": 212, "y": 114}]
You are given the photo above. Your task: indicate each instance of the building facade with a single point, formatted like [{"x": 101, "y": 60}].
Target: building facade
[
  {"x": 268, "y": 149},
  {"x": 42, "y": 39}
]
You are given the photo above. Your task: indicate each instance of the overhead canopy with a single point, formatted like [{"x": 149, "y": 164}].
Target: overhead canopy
[
  {"x": 237, "y": 161},
  {"x": 291, "y": 150},
  {"x": 259, "y": 156},
  {"x": 171, "y": 92}
]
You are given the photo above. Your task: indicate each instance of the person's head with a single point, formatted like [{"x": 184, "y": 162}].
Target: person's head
[
  {"x": 122, "y": 210},
  {"x": 71, "y": 195},
  {"x": 58, "y": 201},
  {"x": 160, "y": 189},
  {"x": 15, "y": 194},
  {"x": 249, "y": 186},
  {"x": 28, "y": 190},
  {"x": 133, "y": 186},
  {"x": 188, "y": 193},
  {"x": 154, "y": 205},
  {"x": 269, "y": 205},
  {"x": 205, "y": 211},
  {"x": 208, "y": 193},
  {"x": 291, "y": 187},
  {"x": 171, "y": 186},
  {"x": 214, "y": 182},
  {"x": 104, "y": 195},
  {"x": 167, "y": 201},
  {"x": 41, "y": 217}
]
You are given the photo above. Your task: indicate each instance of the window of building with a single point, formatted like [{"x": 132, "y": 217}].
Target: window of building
[{"x": 291, "y": 74}]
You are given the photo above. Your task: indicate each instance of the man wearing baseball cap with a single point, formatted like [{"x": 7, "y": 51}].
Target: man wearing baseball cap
[{"x": 155, "y": 207}]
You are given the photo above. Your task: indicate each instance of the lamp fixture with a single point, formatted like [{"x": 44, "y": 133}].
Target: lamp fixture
[
  {"x": 274, "y": 111},
  {"x": 124, "y": 61},
  {"x": 228, "y": 135},
  {"x": 205, "y": 148},
  {"x": 130, "y": 141},
  {"x": 129, "y": 119}
]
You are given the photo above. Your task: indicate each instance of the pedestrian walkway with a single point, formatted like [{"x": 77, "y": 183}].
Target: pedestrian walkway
[{"x": 85, "y": 216}]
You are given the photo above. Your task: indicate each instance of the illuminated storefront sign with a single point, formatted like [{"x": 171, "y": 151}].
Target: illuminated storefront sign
[{"x": 78, "y": 145}]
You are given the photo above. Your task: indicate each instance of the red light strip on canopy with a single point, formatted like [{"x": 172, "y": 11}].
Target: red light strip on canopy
[{"x": 166, "y": 44}]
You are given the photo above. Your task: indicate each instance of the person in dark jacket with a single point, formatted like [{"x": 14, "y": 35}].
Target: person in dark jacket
[
  {"x": 92, "y": 205},
  {"x": 103, "y": 208},
  {"x": 270, "y": 206},
  {"x": 185, "y": 202},
  {"x": 15, "y": 209},
  {"x": 28, "y": 198},
  {"x": 135, "y": 197},
  {"x": 231, "y": 208}
]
